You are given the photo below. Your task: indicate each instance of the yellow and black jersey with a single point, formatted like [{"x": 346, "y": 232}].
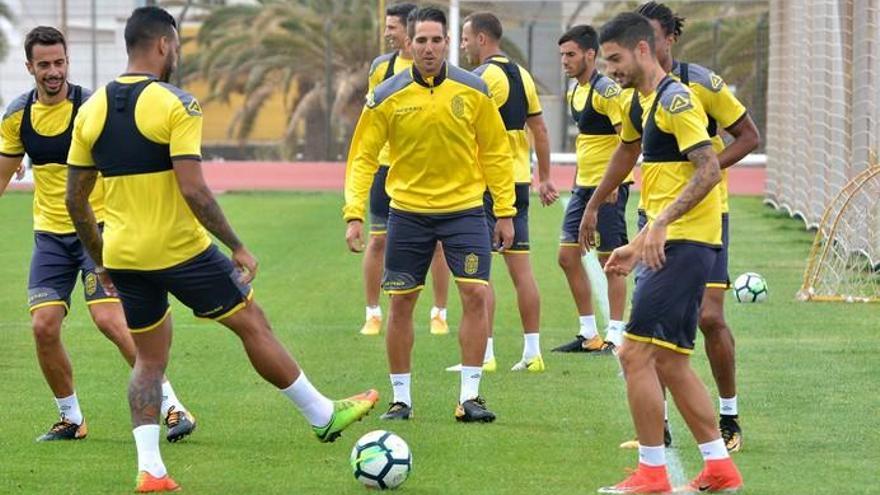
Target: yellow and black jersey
[
  {"x": 674, "y": 125},
  {"x": 131, "y": 130},
  {"x": 595, "y": 109},
  {"x": 43, "y": 132},
  {"x": 447, "y": 144},
  {"x": 384, "y": 67},
  {"x": 721, "y": 106},
  {"x": 516, "y": 97}
]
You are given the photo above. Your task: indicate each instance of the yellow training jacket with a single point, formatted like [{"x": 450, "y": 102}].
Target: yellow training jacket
[{"x": 447, "y": 145}]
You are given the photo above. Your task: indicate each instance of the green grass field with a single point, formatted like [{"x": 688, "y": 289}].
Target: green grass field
[{"x": 808, "y": 377}]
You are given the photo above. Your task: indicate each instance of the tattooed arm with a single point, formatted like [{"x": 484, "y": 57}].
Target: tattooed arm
[
  {"x": 80, "y": 182},
  {"x": 203, "y": 205},
  {"x": 707, "y": 174}
]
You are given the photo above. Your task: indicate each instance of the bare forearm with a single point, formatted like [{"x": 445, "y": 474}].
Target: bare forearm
[
  {"x": 622, "y": 162},
  {"x": 707, "y": 174},
  {"x": 8, "y": 166},
  {"x": 210, "y": 215},
  {"x": 746, "y": 139},
  {"x": 80, "y": 183},
  {"x": 542, "y": 146}
]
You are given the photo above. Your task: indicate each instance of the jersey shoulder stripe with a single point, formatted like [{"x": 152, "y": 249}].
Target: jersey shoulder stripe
[
  {"x": 606, "y": 87},
  {"x": 385, "y": 57},
  {"x": 188, "y": 101},
  {"x": 388, "y": 87},
  {"x": 466, "y": 78},
  {"x": 16, "y": 105},
  {"x": 704, "y": 77},
  {"x": 676, "y": 98}
]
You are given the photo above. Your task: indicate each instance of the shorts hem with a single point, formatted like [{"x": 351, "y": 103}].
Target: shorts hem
[
  {"x": 569, "y": 244},
  {"x": 379, "y": 232},
  {"x": 103, "y": 300},
  {"x": 400, "y": 292},
  {"x": 514, "y": 251},
  {"x": 466, "y": 280},
  {"x": 152, "y": 326},
  {"x": 50, "y": 303},
  {"x": 718, "y": 285},
  {"x": 235, "y": 309},
  {"x": 659, "y": 342}
]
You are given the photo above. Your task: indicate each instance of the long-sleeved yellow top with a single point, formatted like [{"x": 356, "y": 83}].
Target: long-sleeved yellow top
[{"x": 447, "y": 145}]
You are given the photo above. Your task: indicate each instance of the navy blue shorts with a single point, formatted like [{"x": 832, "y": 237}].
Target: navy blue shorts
[
  {"x": 57, "y": 260},
  {"x": 719, "y": 277},
  {"x": 520, "y": 221},
  {"x": 379, "y": 202},
  {"x": 611, "y": 227},
  {"x": 666, "y": 303},
  {"x": 412, "y": 239},
  {"x": 208, "y": 284}
]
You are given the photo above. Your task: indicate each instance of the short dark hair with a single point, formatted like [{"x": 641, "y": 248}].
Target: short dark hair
[
  {"x": 486, "y": 23},
  {"x": 669, "y": 21},
  {"x": 424, "y": 14},
  {"x": 147, "y": 24},
  {"x": 627, "y": 29},
  {"x": 401, "y": 11},
  {"x": 42, "y": 35},
  {"x": 584, "y": 36}
]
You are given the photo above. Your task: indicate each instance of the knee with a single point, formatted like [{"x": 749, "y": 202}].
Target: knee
[
  {"x": 568, "y": 259},
  {"x": 401, "y": 305},
  {"x": 712, "y": 322},
  {"x": 474, "y": 297},
  {"x": 377, "y": 242},
  {"x": 627, "y": 358},
  {"x": 111, "y": 323},
  {"x": 47, "y": 329}
]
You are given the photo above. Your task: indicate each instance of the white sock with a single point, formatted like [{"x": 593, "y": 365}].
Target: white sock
[
  {"x": 441, "y": 312},
  {"x": 532, "y": 345},
  {"x": 400, "y": 383},
  {"x": 169, "y": 399},
  {"x": 615, "y": 332},
  {"x": 68, "y": 408},
  {"x": 728, "y": 406},
  {"x": 588, "y": 326},
  {"x": 317, "y": 409},
  {"x": 714, "y": 450},
  {"x": 146, "y": 438},
  {"x": 490, "y": 351},
  {"x": 652, "y": 456},
  {"x": 470, "y": 383},
  {"x": 665, "y": 410},
  {"x": 374, "y": 311}
]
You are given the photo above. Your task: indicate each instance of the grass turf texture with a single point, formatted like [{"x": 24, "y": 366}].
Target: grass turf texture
[{"x": 807, "y": 376}]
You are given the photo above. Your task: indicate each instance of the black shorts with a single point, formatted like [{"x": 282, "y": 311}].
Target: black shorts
[
  {"x": 57, "y": 260},
  {"x": 666, "y": 302},
  {"x": 719, "y": 278},
  {"x": 611, "y": 227},
  {"x": 412, "y": 239},
  {"x": 520, "y": 221},
  {"x": 207, "y": 283},
  {"x": 380, "y": 202}
]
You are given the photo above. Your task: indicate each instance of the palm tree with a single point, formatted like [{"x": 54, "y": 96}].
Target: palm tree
[{"x": 315, "y": 52}]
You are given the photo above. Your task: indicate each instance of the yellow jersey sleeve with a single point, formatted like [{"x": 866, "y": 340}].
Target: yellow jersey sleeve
[
  {"x": 719, "y": 101},
  {"x": 376, "y": 75},
  {"x": 10, "y": 135},
  {"x": 185, "y": 126},
  {"x": 497, "y": 82},
  {"x": 682, "y": 115},
  {"x": 608, "y": 103},
  {"x": 493, "y": 156},
  {"x": 534, "y": 101},
  {"x": 370, "y": 136},
  {"x": 81, "y": 141}
]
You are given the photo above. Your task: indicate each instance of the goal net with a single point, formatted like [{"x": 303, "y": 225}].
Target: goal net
[{"x": 844, "y": 263}]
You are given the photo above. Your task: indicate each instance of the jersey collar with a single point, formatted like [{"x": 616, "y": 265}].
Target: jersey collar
[{"x": 438, "y": 79}]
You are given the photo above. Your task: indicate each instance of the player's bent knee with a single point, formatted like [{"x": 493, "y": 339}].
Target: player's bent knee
[
  {"x": 569, "y": 258},
  {"x": 46, "y": 327},
  {"x": 712, "y": 322}
]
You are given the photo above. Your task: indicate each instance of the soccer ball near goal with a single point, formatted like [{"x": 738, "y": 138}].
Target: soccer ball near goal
[
  {"x": 380, "y": 459},
  {"x": 750, "y": 288}
]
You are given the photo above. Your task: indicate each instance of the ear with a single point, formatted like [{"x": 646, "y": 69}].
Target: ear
[
  {"x": 163, "y": 45},
  {"x": 30, "y": 67}
]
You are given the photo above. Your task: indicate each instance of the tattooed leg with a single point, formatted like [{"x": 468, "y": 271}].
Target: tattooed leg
[{"x": 145, "y": 387}]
